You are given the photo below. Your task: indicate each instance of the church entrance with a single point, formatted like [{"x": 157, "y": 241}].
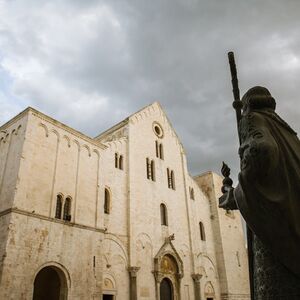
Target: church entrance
[
  {"x": 49, "y": 284},
  {"x": 166, "y": 292}
]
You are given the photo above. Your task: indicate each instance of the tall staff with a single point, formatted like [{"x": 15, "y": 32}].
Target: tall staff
[{"x": 237, "y": 105}]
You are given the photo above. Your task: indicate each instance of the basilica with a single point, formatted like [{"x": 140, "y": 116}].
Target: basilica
[{"x": 114, "y": 217}]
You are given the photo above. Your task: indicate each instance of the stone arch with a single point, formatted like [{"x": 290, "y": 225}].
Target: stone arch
[
  {"x": 18, "y": 129},
  {"x": 144, "y": 239},
  {"x": 52, "y": 275},
  {"x": 116, "y": 241},
  {"x": 56, "y": 133},
  {"x": 116, "y": 260},
  {"x": 77, "y": 143},
  {"x": 166, "y": 289},
  {"x": 97, "y": 153},
  {"x": 68, "y": 140},
  {"x": 109, "y": 284},
  {"x": 209, "y": 291},
  {"x": 168, "y": 264},
  {"x": 88, "y": 149},
  {"x": 205, "y": 260},
  {"x": 45, "y": 128}
]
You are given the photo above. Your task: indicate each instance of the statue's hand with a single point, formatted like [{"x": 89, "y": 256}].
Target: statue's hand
[{"x": 227, "y": 201}]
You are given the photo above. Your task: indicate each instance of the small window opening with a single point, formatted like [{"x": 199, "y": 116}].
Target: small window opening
[
  {"x": 58, "y": 207},
  {"x": 169, "y": 178},
  {"x": 192, "y": 196},
  {"x": 152, "y": 170},
  {"x": 161, "y": 151},
  {"x": 150, "y": 167},
  {"x": 106, "y": 201},
  {"x": 116, "y": 160},
  {"x": 172, "y": 180},
  {"x": 121, "y": 162},
  {"x": 163, "y": 214},
  {"x": 67, "y": 209},
  {"x": 202, "y": 231}
]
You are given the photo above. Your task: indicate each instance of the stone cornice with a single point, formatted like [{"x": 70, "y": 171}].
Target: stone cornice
[
  {"x": 56, "y": 123},
  {"x": 53, "y": 220}
]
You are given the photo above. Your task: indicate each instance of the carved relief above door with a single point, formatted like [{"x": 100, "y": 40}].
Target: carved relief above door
[{"x": 168, "y": 272}]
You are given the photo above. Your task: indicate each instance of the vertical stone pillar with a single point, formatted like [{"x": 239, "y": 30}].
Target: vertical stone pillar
[
  {"x": 133, "y": 286},
  {"x": 197, "y": 287}
]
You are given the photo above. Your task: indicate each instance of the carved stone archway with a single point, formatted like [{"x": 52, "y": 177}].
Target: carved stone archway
[
  {"x": 168, "y": 266},
  {"x": 50, "y": 283},
  {"x": 209, "y": 291}
]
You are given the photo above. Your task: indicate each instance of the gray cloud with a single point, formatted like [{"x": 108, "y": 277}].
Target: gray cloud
[{"x": 92, "y": 63}]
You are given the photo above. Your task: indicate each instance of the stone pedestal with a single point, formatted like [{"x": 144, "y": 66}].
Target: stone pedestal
[
  {"x": 133, "y": 285},
  {"x": 197, "y": 288}
]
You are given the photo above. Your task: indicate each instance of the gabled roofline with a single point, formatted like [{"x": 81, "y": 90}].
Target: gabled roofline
[
  {"x": 112, "y": 129},
  {"x": 122, "y": 123}
]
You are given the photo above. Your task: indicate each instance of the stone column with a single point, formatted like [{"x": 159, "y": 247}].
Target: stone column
[
  {"x": 197, "y": 287},
  {"x": 133, "y": 286}
]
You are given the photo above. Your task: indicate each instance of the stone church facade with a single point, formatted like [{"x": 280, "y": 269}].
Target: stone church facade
[{"x": 114, "y": 217}]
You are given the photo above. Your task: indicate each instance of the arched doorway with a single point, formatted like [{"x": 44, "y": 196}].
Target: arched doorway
[
  {"x": 166, "y": 290},
  {"x": 50, "y": 284}
]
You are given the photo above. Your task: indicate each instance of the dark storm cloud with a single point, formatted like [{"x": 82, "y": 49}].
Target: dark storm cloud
[{"x": 92, "y": 63}]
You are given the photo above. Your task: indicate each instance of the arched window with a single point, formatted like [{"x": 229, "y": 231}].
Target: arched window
[
  {"x": 67, "y": 209},
  {"x": 106, "y": 201},
  {"x": 202, "y": 231},
  {"x": 163, "y": 215},
  {"x": 161, "y": 151},
  {"x": 152, "y": 170},
  {"x": 121, "y": 162},
  {"x": 116, "y": 160},
  {"x": 58, "y": 207},
  {"x": 172, "y": 180}
]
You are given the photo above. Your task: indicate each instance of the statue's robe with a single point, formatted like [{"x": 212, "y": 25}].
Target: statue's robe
[{"x": 268, "y": 193}]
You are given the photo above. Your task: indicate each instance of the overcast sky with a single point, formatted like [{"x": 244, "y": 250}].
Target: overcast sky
[{"x": 91, "y": 63}]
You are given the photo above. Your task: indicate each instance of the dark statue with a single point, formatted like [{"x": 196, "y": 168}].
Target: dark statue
[{"x": 268, "y": 196}]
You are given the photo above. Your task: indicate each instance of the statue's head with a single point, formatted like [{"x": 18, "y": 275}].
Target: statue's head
[{"x": 258, "y": 98}]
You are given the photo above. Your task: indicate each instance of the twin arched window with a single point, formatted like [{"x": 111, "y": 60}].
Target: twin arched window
[
  {"x": 163, "y": 214},
  {"x": 171, "y": 179},
  {"x": 63, "y": 206}
]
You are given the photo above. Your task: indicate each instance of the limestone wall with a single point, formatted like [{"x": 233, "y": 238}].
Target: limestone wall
[
  {"x": 230, "y": 242},
  {"x": 56, "y": 160},
  {"x": 146, "y": 232},
  {"x": 34, "y": 243},
  {"x": 11, "y": 143}
]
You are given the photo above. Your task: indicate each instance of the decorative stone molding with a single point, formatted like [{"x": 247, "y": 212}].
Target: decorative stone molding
[
  {"x": 196, "y": 277},
  {"x": 133, "y": 271}
]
